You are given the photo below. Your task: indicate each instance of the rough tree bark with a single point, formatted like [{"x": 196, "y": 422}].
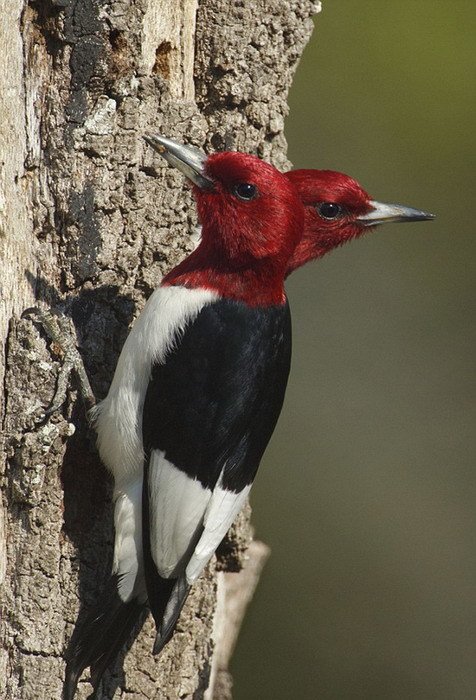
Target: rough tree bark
[{"x": 90, "y": 219}]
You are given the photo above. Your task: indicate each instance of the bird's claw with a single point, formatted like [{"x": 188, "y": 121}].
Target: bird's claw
[{"x": 61, "y": 332}]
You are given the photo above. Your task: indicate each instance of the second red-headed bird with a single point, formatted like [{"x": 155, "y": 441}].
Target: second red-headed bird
[{"x": 200, "y": 382}]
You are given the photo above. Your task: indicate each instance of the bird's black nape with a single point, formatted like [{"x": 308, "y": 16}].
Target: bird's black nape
[{"x": 98, "y": 639}]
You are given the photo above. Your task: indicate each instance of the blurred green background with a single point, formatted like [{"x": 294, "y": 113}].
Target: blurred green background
[{"x": 367, "y": 494}]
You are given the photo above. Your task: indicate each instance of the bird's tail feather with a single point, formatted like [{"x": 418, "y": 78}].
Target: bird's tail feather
[
  {"x": 98, "y": 639},
  {"x": 166, "y": 599},
  {"x": 176, "y": 601}
]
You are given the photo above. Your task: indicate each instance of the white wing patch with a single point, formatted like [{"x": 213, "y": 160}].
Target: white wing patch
[
  {"x": 177, "y": 506},
  {"x": 221, "y": 511},
  {"x": 128, "y": 542}
]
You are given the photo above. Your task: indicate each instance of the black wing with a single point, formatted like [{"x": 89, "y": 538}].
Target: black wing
[{"x": 209, "y": 413}]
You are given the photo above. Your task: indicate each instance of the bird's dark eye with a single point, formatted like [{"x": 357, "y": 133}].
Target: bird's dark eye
[
  {"x": 329, "y": 210},
  {"x": 245, "y": 191}
]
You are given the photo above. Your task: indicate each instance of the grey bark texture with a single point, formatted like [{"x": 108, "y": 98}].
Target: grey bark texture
[{"x": 90, "y": 219}]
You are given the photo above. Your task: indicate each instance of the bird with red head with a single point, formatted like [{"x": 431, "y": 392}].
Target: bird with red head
[
  {"x": 251, "y": 223},
  {"x": 337, "y": 210},
  {"x": 195, "y": 397}
]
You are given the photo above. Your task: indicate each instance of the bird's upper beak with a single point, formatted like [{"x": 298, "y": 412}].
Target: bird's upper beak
[
  {"x": 188, "y": 159},
  {"x": 387, "y": 213}
]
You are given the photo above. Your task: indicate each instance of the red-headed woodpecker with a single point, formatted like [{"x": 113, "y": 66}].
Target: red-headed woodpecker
[
  {"x": 195, "y": 397},
  {"x": 337, "y": 209},
  {"x": 200, "y": 382}
]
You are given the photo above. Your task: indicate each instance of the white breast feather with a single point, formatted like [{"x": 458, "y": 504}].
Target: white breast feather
[{"x": 118, "y": 419}]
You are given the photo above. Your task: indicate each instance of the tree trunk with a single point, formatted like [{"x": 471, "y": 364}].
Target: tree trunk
[{"x": 90, "y": 219}]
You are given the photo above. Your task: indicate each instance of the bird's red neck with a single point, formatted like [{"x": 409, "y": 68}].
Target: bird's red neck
[
  {"x": 260, "y": 284},
  {"x": 309, "y": 248},
  {"x": 319, "y": 239}
]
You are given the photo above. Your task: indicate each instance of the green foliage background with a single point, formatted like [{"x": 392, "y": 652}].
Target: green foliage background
[{"x": 367, "y": 495}]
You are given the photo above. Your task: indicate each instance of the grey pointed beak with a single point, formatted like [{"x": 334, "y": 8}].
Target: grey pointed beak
[
  {"x": 391, "y": 213},
  {"x": 188, "y": 159}
]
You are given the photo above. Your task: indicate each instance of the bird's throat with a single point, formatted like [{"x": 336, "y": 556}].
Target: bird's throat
[{"x": 260, "y": 284}]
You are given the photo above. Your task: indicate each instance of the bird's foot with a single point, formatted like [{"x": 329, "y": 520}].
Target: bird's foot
[{"x": 62, "y": 333}]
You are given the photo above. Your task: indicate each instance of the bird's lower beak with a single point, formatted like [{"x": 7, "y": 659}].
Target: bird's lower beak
[
  {"x": 188, "y": 159},
  {"x": 388, "y": 213}
]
